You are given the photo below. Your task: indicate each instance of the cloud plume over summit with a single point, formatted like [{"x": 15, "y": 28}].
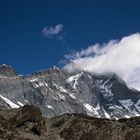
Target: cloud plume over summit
[{"x": 119, "y": 56}]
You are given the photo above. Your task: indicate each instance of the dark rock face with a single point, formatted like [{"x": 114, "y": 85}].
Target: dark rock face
[
  {"x": 58, "y": 92},
  {"x": 86, "y": 128},
  {"x": 27, "y": 123}
]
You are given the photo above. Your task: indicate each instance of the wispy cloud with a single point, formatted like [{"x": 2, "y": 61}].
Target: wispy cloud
[
  {"x": 52, "y": 32},
  {"x": 118, "y": 56}
]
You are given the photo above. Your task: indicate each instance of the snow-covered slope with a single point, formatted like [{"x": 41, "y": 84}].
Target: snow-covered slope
[
  {"x": 12, "y": 105},
  {"x": 56, "y": 92}
]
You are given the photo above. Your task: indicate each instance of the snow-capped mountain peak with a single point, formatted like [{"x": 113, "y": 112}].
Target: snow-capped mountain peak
[{"x": 57, "y": 92}]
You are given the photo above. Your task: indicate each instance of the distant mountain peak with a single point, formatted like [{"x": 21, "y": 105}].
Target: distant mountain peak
[
  {"x": 4, "y": 65},
  {"x": 54, "y": 68},
  {"x": 7, "y": 71},
  {"x": 56, "y": 91}
]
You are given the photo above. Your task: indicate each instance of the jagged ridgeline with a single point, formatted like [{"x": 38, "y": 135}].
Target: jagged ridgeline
[{"x": 56, "y": 91}]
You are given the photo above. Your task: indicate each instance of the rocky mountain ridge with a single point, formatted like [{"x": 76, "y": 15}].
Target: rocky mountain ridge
[{"x": 56, "y": 91}]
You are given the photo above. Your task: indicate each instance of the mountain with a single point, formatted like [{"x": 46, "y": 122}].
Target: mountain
[
  {"x": 27, "y": 123},
  {"x": 56, "y": 91},
  {"x": 7, "y": 71}
]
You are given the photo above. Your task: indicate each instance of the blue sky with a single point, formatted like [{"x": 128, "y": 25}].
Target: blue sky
[{"x": 25, "y": 46}]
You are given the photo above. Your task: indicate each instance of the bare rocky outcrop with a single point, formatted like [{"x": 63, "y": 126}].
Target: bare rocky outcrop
[
  {"x": 24, "y": 123},
  {"x": 27, "y": 123}
]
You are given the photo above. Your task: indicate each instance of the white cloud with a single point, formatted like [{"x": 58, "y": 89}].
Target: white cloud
[
  {"x": 119, "y": 56},
  {"x": 51, "y": 32}
]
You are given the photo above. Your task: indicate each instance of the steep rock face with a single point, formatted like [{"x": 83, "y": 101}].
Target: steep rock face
[
  {"x": 57, "y": 92},
  {"x": 27, "y": 123}
]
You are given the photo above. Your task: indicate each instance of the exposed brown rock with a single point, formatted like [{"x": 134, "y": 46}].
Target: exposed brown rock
[{"x": 27, "y": 123}]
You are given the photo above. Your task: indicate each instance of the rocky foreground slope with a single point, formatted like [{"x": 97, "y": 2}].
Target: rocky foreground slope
[
  {"x": 27, "y": 123},
  {"x": 56, "y": 92}
]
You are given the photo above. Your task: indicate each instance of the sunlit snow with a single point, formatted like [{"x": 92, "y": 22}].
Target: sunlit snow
[{"x": 13, "y": 105}]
